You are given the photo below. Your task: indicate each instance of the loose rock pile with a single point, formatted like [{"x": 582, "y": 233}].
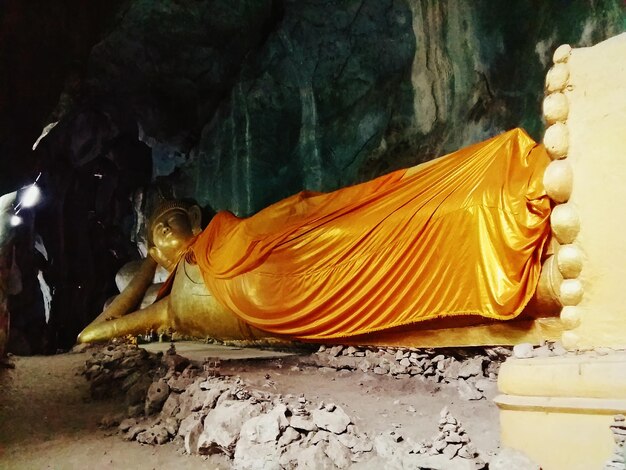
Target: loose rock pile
[
  {"x": 450, "y": 449},
  {"x": 452, "y": 440},
  {"x": 170, "y": 399},
  {"x": 527, "y": 350},
  {"x": 471, "y": 370},
  {"x": 618, "y": 459},
  {"x": 122, "y": 369}
]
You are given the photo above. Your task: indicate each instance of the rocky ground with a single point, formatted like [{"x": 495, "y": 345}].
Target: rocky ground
[{"x": 335, "y": 408}]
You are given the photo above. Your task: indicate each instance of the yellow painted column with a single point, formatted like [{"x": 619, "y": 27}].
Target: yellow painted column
[
  {"x": 558, "y": 410},
  {"x": 585, "y": 109}
]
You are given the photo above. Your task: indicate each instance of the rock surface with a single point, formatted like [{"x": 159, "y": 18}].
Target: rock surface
[
  {"x": 209, "y": 414},
  {"x": 511, "y": 459}
]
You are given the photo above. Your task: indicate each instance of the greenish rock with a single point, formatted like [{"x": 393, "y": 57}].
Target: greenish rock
[{"x": 246, "y": 102}]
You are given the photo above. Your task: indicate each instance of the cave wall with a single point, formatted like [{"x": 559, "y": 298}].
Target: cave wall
[
  {"x": 238, "y": 104},
  {"x": 320, "y": 94}
]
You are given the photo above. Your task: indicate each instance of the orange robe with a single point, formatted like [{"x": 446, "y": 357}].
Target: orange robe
[{"x": 462, "y": 235}]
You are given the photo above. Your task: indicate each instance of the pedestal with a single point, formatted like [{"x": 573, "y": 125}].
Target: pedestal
[{"x": 558, "y": 410}]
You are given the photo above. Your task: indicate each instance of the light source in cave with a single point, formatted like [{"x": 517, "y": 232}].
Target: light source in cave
[
  {"x": 15, "y": 220},
  {"x": 31, "y": 196},
  {"x": 28, "y": 196}
]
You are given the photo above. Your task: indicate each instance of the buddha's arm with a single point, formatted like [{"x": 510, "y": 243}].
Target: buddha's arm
[
  {"x": 153, "y": 317},
  {"x": 130, "y": 298}
]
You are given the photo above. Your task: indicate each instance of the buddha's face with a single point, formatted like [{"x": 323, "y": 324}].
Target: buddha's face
[{"x": 171, "y": 233}]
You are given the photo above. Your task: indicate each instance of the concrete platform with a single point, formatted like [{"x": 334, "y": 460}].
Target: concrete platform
[{"x": 198, "y": 351}]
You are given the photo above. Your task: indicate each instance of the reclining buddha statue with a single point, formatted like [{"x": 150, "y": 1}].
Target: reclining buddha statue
[{"x": 448, "y": 252}]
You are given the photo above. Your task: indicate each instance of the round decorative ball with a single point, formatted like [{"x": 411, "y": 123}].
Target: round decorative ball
[
  {"x": 558, "y": 180},
  {"x": 565, "y": 223},
  {"x": 570, "y": 261},
  {"x": 555, "y": 107},
  {"x": 556, "y": 78},
  {"x": 571, "y": 316},
  {"x": 571, "y": 292},
  {"x": 562, "y": 53},
  {"x": 570, "y": 340},
  {"x": 556, "y": 140}
]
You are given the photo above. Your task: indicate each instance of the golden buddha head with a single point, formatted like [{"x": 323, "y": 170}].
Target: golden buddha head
[{"x": 170, "y": 230}]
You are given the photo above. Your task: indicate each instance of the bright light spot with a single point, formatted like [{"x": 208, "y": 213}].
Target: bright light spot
[
  {"x": 15, "y": 220},
  {"x": 30, "y": 196}
]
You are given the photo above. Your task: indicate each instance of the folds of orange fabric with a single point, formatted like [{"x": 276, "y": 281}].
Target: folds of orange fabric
[{"x": 462, "y": 235}]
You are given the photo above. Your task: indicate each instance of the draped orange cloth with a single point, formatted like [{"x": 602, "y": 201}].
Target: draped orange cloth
[{"x": 463, "y": 234}]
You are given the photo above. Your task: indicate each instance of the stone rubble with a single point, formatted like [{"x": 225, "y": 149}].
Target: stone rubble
[
  {"x": 545, "y": 349},
  {"x": 170, "y": 399},
  {"x": 451, "y": 442},
  {"x": 450, "y": 449},
  {"x": 470, "y": 369},
  {"x": 618, "y": 459}
]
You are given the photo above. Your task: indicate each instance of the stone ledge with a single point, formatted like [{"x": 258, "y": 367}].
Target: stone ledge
[
  {"x": 576, "y": 405},
  {"x": 590, "y": 375}
]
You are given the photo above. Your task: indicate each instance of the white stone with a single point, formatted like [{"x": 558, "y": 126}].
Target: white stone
[
  {"x": 257, "y": 447},
  {"x": 290, "y": 435},
  {"x": 562, "y": 53},
  {"x": 471, "y": 367},
  {"x": 266, "y": 427},
  {"x": 571, "y": 292},
  {"x": 565, "y": 223},
  {"x": 336, "y": 421},
  {"x": 467, "y": 391},
  {"x": 386, "y": 445},
  {"x": 556, "y": 78},
  {"x": 570, "y": 261},
  {"x": 523, "y": 351},
  {"x": 542, "y": 351},
  {"x": 250, "y": 456},
  {"x": 189, "y": 422},
  {"x": 557, "y": 348},
  {"x": 558, "y": 180},
  {"x": 484, "y": 385},
  {"x": 191, "y": 437},
  {"x": 555, "y": 107},
  {"x": 314, "y": 458},
  {"x": 289, "y": 456},
  {"x": 303, "y": 424},
  {"x": 335, "y": 351},
  {"x": 223, "y": 424},
  {"x": 338, "y": 453},
  {"x": 556, "y": 140},
  {"x": 451, "y": 450}
]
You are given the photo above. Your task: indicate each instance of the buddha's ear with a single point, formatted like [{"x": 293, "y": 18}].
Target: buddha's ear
[{"x": 195, "y": 217}]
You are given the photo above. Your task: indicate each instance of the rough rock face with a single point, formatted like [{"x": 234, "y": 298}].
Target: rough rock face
[{"x": 322, "y": 94}]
